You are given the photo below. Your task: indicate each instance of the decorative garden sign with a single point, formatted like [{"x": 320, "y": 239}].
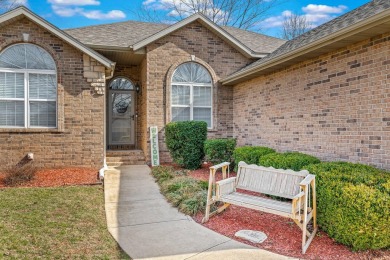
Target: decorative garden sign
[{"x": 154, "y": 146}]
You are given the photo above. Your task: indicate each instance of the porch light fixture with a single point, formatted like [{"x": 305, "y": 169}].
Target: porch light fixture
[{"x": 138, "y": 87}]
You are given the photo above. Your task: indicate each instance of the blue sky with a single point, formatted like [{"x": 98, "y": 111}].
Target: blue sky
[{"x": 76, "y": 13}]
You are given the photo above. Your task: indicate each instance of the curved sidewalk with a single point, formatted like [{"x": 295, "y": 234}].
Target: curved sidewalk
[{"x": 146, "y": 226}]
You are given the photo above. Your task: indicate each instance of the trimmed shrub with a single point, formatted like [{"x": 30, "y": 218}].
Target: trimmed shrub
[
  {"x": 353, "y": 203},
  {"x": 219, "y": 150},
  {"x": 291, "y": 160},
  {"x": 250, "y": 154},
  {"x": 185, "y": 141}
]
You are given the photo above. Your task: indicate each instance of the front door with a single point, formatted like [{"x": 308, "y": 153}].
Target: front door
[{"x": 121, "y": 113}]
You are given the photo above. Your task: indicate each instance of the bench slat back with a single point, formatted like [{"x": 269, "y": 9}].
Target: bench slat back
[{"x": 271, "y": 181}]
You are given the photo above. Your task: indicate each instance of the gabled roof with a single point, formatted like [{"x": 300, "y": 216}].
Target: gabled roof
[
  {"x": 245, "y": 50},
  {"x": 24, "y": 12},
  {"x": 133, "y": 34},
  {"x": 364, "y": 22}
]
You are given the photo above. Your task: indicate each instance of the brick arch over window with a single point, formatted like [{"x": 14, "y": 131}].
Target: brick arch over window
[{"x": 168, "y": 87}]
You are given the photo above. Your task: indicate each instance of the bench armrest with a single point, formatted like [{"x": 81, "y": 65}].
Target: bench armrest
[
  {"x": 309, "y": 178},
  {"x": 217, "y": 166},
  {"x": 299, "y": 195},
  {"x": 225, "y": 186}
]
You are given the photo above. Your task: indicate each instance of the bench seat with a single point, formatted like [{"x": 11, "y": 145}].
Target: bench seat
[{"x": 258, "y": 203}]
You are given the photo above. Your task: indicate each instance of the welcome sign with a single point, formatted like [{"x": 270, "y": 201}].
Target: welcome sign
[{"x": 154, "y": 146}]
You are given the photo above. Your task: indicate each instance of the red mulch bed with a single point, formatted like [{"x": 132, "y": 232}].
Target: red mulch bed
[
  {"x": 284, "y": 236},
  {"x": 61, "y": 177}
]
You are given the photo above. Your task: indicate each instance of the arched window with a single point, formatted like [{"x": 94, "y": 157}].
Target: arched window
[
  {"x": 28, "y": 87},
  {"x": 192, "y": 93}
]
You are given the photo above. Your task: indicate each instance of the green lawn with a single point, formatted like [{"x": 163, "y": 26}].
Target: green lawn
[{"x": 55, "y": 223}]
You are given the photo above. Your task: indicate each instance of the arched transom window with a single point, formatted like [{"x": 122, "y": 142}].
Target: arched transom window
[
  {"x": 28, "y": 87},
  {"x": 191, "y": 97}
]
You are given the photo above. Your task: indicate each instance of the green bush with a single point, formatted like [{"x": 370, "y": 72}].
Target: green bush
[
  {"x": 291, "y": 160},
  {"x": 185, "y": 141},
  {"x": 353, "y": 204},
  {"x": 219, "y": 150},
  {"x": 186, "y": 193},
  {"x": 250, "y": 154}
]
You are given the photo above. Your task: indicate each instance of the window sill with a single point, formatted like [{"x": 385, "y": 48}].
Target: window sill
[
  {"x": 211, "y": 130},
  {"x": 30, "y": 130}
]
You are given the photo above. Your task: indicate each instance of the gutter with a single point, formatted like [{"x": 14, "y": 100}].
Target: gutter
[{"x": 334, "y": 37}]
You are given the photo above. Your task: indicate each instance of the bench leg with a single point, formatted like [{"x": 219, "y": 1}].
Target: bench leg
[
  {"x": 209, "y": 214},
  {"x": 307, "y": 237},
  {"x": 306, "y": 245}
]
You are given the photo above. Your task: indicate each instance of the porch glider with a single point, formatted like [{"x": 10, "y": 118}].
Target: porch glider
[{"x": 296, "y": 188}]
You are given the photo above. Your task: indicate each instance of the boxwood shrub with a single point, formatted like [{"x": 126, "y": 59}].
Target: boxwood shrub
[
  {"x": 290, "y": 160},
  {"x": 185, "y": 141},
  {"x": 219, "y": 150},
  {"x": 250, "y": 154},
  {"x": 353, "y": 204}
]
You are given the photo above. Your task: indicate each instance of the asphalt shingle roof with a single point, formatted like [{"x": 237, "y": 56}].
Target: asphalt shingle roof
[
  {"x": 359, "y": 14},
  {"x": 122, "y": 34},
  {"x": 125, "y": 34}
]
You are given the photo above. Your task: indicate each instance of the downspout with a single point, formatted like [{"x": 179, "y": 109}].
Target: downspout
[{"x": 105, "y": 167}]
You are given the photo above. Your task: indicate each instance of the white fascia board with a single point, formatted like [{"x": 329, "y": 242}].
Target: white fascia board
[
  {"x": 205, "y": 21},
  {"x": 57, "y": 32}
]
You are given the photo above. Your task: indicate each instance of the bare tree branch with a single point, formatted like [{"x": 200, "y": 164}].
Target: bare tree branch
[
  {"x": 295, "y": 25},
  {"x": 6, "y": 5},
  {"x": 245, "y": 14}
]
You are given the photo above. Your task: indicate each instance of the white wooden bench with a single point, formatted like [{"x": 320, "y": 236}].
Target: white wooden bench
[{"x": 297, "y": 187}]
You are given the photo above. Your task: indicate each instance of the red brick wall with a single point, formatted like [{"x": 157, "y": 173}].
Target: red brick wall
[
  {"x": 164, "y": 55},
  {"x": 79, "y": 142},
  {"x": 336, "y": 106}
]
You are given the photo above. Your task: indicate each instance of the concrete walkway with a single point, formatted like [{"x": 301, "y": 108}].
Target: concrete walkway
[{"x": 148, "y": 227}]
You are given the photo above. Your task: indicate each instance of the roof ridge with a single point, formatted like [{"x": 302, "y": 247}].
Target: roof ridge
[
  {"x": 114, "y": 23},
  {"x": 252, "y": 32}
]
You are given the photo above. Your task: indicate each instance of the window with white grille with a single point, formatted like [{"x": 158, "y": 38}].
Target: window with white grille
[
  {"x": 28, "y": 87},
  {"x": 191, "y": 94}
]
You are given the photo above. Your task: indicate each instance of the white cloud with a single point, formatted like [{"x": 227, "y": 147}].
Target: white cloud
[
  {"x": 99, "y": 15},
  {"x": 66, "y": 11},
  {"x": 312, "y": 8},
  {"x": 74, "y": 2},
  {"x": 93, "y": 14},
  {"x": 69, "y": 8},
  {"x": 315, "y": 14},
  {"x": 19, "y": 2},
  {"x": 148, "y": 2}
]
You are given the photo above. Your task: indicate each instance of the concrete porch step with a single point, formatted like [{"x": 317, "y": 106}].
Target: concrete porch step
[
  {"x": 117, "y": 164},
  {"x": 115, "y": 158}
]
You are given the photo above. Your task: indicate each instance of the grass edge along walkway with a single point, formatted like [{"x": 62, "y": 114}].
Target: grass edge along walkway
[{"x": 62, "y": 222}]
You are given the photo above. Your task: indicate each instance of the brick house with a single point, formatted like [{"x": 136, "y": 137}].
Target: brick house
[{"x": 88, "y": 95}]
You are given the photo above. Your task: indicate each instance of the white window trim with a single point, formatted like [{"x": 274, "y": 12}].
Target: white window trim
[
  {"x": 191, "y": 106},
  {"x": 27, "y": 99}
]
